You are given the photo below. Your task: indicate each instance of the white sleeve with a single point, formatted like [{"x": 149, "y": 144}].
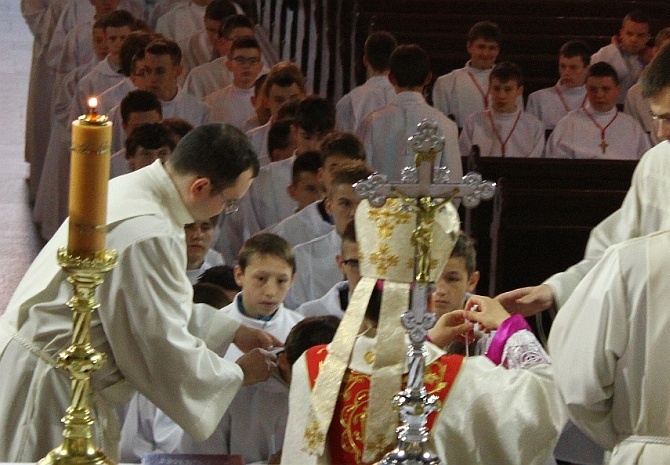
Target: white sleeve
[
  {"x": 442, "y": 92},
  {"x": 465, "y": 139},
  {"x": 137, "y": 437},
  {"x": 345, "y": 114},
  {"x": 538, "y": 149}
]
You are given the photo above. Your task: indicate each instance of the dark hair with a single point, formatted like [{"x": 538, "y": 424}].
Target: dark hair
[
  {"x": 150, "y": 136},
  {"x": 603, "y": 69},
  {"x": 316, "y": 115},
  {"x": 135, "y": 42},
  {"x": 636, "y": 16},
  {"x": 218, "y": 10},
  {"x": 576, "y": 48},
  {"x": 244, "y": 42},
  {"x": 485, "y": 30},
  {"x": 350, "y": 173},
  {"x": 279, "y": 136},
  {"x": 656, "y": 76},
  {"x": 378, "y": 49},
  {"x": 344, "y": 144},
  {"x": 222, "y": 276},
  {"x": 118, "y": 18},
  {"x": 374, "y": 307},
  {"x": 165, "y": 47},
  {"x": 284, "y": 74},
  {"x": 308, "y": 333},
  {"x": 139, "y": 101},
  {"x": 465, "y": 248},
  {"x": 220, "y": 152},
  {"x": 258, "y": 83},
  {"x": 410, "y": 66},
  {"x": 139, "y": 55},
  {"x": 662, "y": 36},
  {"x": 308, "y": 162},
  {"x": 210, "y": 294},
  {"x": 234, "y": 22},
  {"x": 349, "y": 233},
  {"x": 177, "y": 127},
  {"x": 507, "y": 71},
  {"x": 266, "y": 244}
]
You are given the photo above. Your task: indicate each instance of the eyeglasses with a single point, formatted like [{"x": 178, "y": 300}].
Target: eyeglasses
[
  {"x": 251, "y": 61},
  {"x": 353, "y": 262},
  {"x": 231, "y": 206}
]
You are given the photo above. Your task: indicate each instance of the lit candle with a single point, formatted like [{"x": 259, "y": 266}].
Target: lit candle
[{"x": 89, "y": 174}]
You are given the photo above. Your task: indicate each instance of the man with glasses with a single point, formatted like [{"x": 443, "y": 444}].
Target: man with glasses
[{"x": 156, "y": 340}]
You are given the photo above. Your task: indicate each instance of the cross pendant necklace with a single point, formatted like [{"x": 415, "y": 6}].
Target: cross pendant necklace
[{"x": 603, "y": 143}]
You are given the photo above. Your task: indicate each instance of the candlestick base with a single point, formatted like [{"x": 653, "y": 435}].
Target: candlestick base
[{"x": 81, "y": 359}]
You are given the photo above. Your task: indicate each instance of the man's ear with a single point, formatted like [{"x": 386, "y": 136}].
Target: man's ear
[
  {"x": 329, "y": 205},
  {"x": 200, "y": 188}
]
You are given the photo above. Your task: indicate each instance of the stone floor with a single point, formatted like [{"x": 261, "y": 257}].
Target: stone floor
[{"x": 19, "y": 241}]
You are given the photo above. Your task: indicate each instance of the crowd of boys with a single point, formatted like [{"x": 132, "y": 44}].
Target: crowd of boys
[{"x": 289, "y": 244}]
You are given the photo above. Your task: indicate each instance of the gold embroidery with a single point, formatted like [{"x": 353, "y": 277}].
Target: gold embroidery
[
  {"x": 383, "y": 259},
  {"x": 387, "y": 218},
  {"x": 369, "y": 357},
  {"x": 353, "y": 416},
  {"x": 313, "y": 438}
]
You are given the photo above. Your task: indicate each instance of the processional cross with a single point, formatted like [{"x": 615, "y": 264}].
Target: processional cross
[{"x": 424, "y": 190}]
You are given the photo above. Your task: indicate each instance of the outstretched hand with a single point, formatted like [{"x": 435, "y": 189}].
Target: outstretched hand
[
  {"x": 527, "y": 301},
  {"x": 486, "y": 311},
  {"x": 247, "y": 338},
  {"x": 450, "y": 327},
  {"x": 257, "y": 365}
]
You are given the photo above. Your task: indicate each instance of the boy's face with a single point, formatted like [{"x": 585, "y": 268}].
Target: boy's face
[
  {"x": 572, "y": 71},
  {"x": 602, "y": 92},
  {"x": 327, "y": 172},
  {"x": 138, "y": 118},
  {"x": 161, "y": 74},
  {"x": 660, "y": 108},
  {"x": 144, "y": 157},
  {"x": 452, "y": 285},
  {"x": 483, "y": 53},
  {"x": 341, "y": 204},
  {"x": 264, "y": 283},
  {"x": 115, "y": 37},
  {"x": 504, "y": 95},
  {"x": 100, "y": 43},
  {"x": 348, "y": 263},
  {"x": 245, "y": 64},
  {"x": 278, "y": 95},
  {"x": 306, "y": 141},
  {"x": 307, "y": 190},
  {"x": 199, "y": 236},
  {"x": 212, "y": 30},
  {"x": 102, "y": 7},
  {"x": 634, "y": 36}
]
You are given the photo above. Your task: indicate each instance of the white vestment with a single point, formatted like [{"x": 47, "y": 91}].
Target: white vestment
[
  {"x": 113, "y": 96},
  {"x": 553, "y": 103},
  {"x": 160, "y": 8},
  {"x": 208, "y": 78},
  {"x": 609, "y": 343},
  {"x": 182, "y": 21},
  {"x": 316, "y": 269},
  {"x": 231, "y": 105},
  {"x": 643, "y": 211},
  {"x": 639, "y": 108},
  {"x": 212, "y": 258},
  {"x": 304, "y": 225},
  {"x": 577, "y": 136},
  {"x": 259, "y": 140},
  {"x": 102, "y": 77},
  {"x": 182, "y": 105},
  {"x": 77, "y": 49},
  {"x": 522, "y": 133},
  {"x": 376, "y": 93},
  {"x": 384, "y": 134},
  {"x": 196, "y": 50},
  {"x": 329, "y": 304},
  {"x": 491, "y": 416},
  {"x": 253, "y": 426},
  {"x": 155, "y": 339},
  {"x": 627, "y": 66}
]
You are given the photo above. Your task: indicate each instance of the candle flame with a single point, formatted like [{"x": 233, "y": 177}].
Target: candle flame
[{"x": 92, "y": 103}]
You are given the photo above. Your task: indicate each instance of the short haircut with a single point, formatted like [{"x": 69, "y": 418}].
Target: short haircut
[
  {"x": 244, "y": 42},
  {"x": 636, "y": 16},
  {"x": 284, "y": 74},
  {"x": 279, "y": 136},
  {"x": 151, "y": 136},
  {"x": 350, "y": 173},
  {"x": 576, "y": 48},
  {"x": 165, "y": 47},
  {"x": 662, "y": 36},
  {"x": 342, "y": 144},
  {"x": 465, "y": 248},
  {"x": 137, "y": 101},
  {"x": 99, "y": 23},
  {"x": 177, "y": 127},
  {"x": 485, "y": 30},
  {"x": 507, "y": 71},
  {"x": 258, "y": 83},
  {"x": 218, "y": 10},
  {"x": 316, "y": 115},
  {"x": 310, "y": 332},
  {"x": 222, "y": 276},
  {"x": 410, "y": 66},
  {"x": 118, "y": 18},
  {"x": 603, "y": 69},
  {"x": 656, "y": 76},
  {"x": 289, "y": 109},
  {"x": 219, "y": 152},
  {"x": 210, "y": 294},
  {"x": 135, "y": 42},
  {"x": 308, "y": 162},
  {"x": 349, "y": 234},
  {"x": 378, "y": 49},
  {"x": 264, "y": 244},
  {"x": 234, "y": 22}
]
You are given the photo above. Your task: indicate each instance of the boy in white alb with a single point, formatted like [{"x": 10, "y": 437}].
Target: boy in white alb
[
  {"x": 377, "y": 91},
  {"x": 504, "y": 130},
  {"x": 628, "y": 52},
  {"x": 232, "y": 104},
  {"x": 183, "y": 20},
  {"x": 199, "y": 254},
  {"x": 553, "y": 103},
  {"x": 601, "y": 130},
  {"x": 145, "y": 144},
  {"x": 384, "y": 132}
]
